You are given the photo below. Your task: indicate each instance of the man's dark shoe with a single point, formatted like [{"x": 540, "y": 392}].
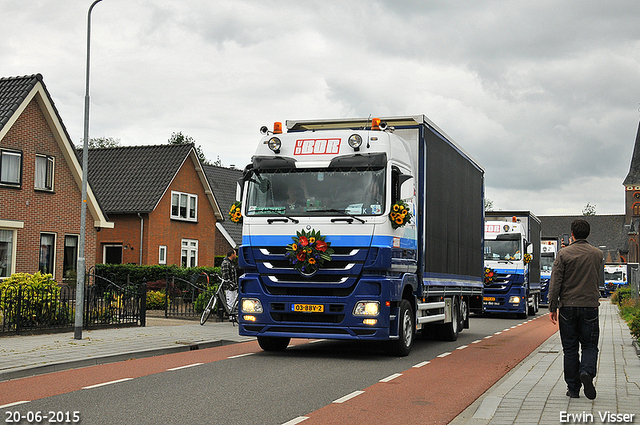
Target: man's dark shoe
[
  {"x": 572, "y": 394},
  {"x": 587, "y": 382}
]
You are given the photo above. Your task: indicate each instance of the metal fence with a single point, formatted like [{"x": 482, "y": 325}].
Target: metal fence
[
  {"x": 51, "y": 308},
  {"x": 187, "y": 298}
]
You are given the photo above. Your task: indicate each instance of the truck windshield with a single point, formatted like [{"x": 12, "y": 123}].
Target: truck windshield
[
  {"x": 502, "y": 250},
  {"x": 616, "y": 276},
  {"x": 306, "y": 192},
  {"x": 546, "y": 262}
]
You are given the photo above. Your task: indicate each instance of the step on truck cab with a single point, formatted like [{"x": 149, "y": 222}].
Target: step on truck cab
[
  {"x": 512, "y": 261},
  {"x": 360, "y": 229}
]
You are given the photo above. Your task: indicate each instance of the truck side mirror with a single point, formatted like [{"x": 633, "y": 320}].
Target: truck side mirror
[{"x": 406, "y": 186}]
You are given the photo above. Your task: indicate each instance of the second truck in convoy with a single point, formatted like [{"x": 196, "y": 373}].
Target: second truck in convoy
[{"x": 512, "y": 262}]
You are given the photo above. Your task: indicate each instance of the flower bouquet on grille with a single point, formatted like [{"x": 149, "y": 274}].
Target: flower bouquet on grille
[{"x": 308, "y": 252}]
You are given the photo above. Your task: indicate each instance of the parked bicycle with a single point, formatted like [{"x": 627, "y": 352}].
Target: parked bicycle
[{"x": 218, "y": 300}]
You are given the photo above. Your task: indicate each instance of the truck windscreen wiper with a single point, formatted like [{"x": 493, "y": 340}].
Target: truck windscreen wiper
[
  {"x": 342, "y": 212},
  {"x": 278, "y": 211}
]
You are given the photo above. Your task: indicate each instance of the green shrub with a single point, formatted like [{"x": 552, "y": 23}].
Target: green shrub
[
  {"x": 122, "y": 274},
  {"x": 203, "y": 298},
  {"x": 39, "y": 297},
  {"x": 621, "y": 295},
  {"x": 634, "y": 325},
  {"x": 156, "y": 300}
]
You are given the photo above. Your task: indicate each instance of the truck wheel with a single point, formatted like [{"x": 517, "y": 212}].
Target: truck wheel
[
  {"x": 402, "y": 346},
  {"x": 449, "y": 331},
  {"x": 273, "y": 343}
]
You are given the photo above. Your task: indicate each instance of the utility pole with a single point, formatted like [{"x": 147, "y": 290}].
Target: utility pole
[{"x": 77, "y": 331}]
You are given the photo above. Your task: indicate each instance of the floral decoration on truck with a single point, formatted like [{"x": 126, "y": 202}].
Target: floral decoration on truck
[
  {"x": 488, "y": 275},
  {"x": 527, "y": 258},
  {"x": 308, "y": 252},
  {"x": 235, "y": 213},
  {"x": 400, "y": 214}
]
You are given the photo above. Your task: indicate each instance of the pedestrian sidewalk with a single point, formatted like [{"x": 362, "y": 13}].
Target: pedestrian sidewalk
[
  {"x": 535, "y": 391},
  {"x": 22, "y": 356}
]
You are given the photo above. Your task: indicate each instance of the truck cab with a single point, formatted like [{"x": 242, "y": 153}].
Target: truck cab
[{"x": 512, "y": 261}]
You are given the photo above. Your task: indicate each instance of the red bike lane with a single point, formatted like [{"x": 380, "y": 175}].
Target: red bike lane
[{"x": 437, "y": 392}]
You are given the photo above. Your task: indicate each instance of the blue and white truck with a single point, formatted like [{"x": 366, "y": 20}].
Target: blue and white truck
[
  {"x": 360, "y": 229},
  {"x": 512, "y": 261},
  {"x": 548, "y": 252},
  {"x": 615, "y": 276}
]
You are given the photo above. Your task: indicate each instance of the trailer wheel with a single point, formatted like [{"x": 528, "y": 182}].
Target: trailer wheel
[
  {"x": 402, "y": 346},
  {"x": 464, "y": 314},
  {"x": 273, "y": 343},
  {"x": 449, "y": 331}
]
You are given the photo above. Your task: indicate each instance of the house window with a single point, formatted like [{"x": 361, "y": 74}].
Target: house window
[
  {"x": 189, "y": 253},
  {"x": 636, "y": 208},
  {"x": 184, "y": 206},
  {"x": 70, "y": 260},
  {"x": 162, "y": 255},
  {"x": 10, "y": 167},
  {"x": 6, "y": 252},
  {"x": 112, "y": 254},
  {"x": 47, "y": 252},
  {"x": 44, "y": 172}
]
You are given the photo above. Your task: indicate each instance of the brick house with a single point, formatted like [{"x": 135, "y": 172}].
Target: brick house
[
  {"x": 224, "y": 182},
  {"x": 40, "y": 186},
  {"x": 161, "y": 203}
]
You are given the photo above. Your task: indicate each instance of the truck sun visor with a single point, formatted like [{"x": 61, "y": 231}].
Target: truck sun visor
[
  {"x": 272, "y": 163},
  {"x": 374, "y": 160}
]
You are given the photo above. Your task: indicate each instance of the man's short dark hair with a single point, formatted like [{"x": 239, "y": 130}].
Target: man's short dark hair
[
  {"x": 580, "y": 228},
  {"x": 231, "y": 252}
]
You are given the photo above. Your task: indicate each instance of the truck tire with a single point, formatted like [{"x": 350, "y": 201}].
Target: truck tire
[
  {"x": 273, "y": 343},
  {"x": 449, "y": 331},
  {"x": 464, "y": 314},
  {"x": 406, "y": 332}
]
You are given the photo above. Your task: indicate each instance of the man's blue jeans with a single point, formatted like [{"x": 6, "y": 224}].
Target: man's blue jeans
[{"x": 579, "y": 328}]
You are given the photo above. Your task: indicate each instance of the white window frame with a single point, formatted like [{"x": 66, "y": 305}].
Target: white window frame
[
  {"x": 3, "y": 172},
  {"x": 53, "y": 252},
  {"x": 49, "y": 172},
  {"x": 189, "y": 250},
  {"x": 190, "y": 202},
  {"x": 11, "y": 227},
  {"x": 162, "y": 254},
  {"x": 64, "y": 253}
]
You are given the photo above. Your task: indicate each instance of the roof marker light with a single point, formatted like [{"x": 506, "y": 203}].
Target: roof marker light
[
  {"x": 277, "y": 128},
  {"x": 375, "y": 124}
]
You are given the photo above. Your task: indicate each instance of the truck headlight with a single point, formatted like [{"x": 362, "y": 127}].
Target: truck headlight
[
  {"x": 251, "y": 305},
  {"x": 514, "y": 300},
  {"x": 366, "y": 308}
]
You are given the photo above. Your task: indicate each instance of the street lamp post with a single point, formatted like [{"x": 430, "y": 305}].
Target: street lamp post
[{"x": 77, "y": 333}]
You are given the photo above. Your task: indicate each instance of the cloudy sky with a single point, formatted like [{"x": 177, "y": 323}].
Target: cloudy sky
[{"x": 545, "y": 95}]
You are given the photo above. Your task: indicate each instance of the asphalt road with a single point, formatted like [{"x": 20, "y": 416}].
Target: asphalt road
[{"x": 320, "y": 380}]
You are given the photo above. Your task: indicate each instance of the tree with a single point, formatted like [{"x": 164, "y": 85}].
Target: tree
[
  {"x": 101, "y": 142},
  {"x": 488, "y": 204},
  {"x": 182, "y": 139},
  {"x": 589, "y": 209}
]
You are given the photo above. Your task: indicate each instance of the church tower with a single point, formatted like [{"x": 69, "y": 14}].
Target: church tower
[{"x": 632, "y": 201}]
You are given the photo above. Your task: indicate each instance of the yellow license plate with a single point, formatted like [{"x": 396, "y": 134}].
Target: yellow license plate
[
  {"x": 308, "y": 308},
  {"x": 489, "y": 298}
]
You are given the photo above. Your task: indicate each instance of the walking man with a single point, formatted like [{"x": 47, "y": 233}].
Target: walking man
[{"x": 573, "y": 302}]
